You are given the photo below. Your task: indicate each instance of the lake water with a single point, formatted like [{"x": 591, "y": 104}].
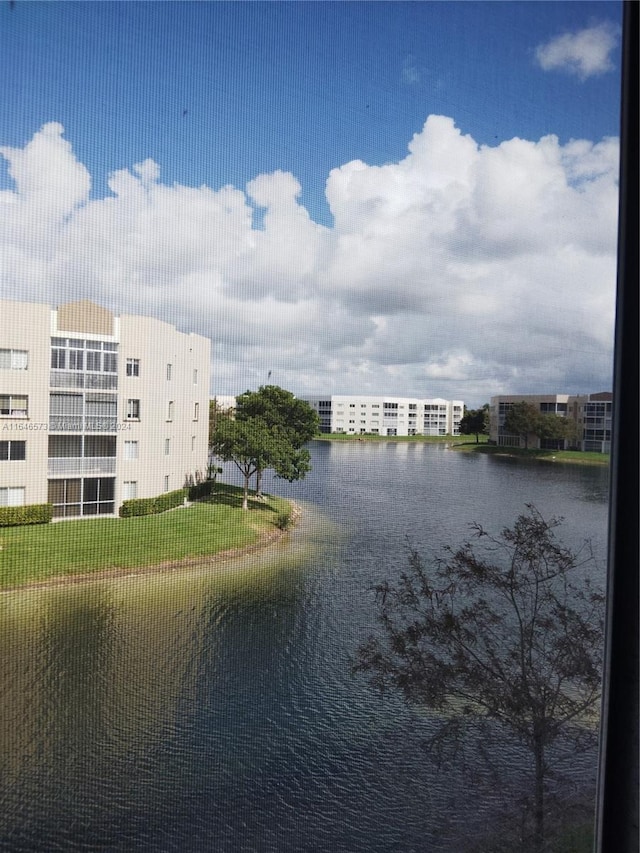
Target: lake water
[{"x": 201, "y": 711}]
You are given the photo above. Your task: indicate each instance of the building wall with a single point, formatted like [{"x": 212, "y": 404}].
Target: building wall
[
  {"x": 83, "y": 367},
  {"x": 26, "y": 327},
  {"x": 173, "y": 407},
  {"x": 591, "y": 414},
  {"x": 388, "y": 415}
]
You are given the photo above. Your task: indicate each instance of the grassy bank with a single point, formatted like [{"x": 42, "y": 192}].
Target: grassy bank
[
  {"x": 40, "y": 553},
  {"x": 576, "y": 456},
  {"x": 421, "y": 439},
  {"x": 467, "y": 444}
]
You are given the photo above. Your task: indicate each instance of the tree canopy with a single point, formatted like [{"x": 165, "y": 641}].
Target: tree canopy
[
  {"x": 475, "y": 422},
  {"x": 290, "y": 419},
  {"x": 524, "y": 419},
  {"x": 269, "y": 430},
  {"x": 280, "y": 410},
  {"x": 498, "y": 634}
]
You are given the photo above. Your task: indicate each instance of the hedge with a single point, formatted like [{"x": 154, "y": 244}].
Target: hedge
[
  {"x": 151, "y": 506},
  {"x": 12, "y": 516},
  {"x": 201, "y": 490}
]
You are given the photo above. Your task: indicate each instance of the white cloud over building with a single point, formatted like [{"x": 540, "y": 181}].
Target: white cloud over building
[{"x": 460, "y": 271}]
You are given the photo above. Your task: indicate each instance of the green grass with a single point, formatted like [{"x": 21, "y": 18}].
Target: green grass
[
  {"x": 467, "y": 444},
  {"x": 577, "y": 456},
  {"x": 429, "y": 439},
  {"x": 38, "y": 553}
]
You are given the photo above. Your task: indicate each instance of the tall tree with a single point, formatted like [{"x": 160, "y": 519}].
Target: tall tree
[
  {"x": 522, "y": 419},
  {"x": 475, "y": 422},
  {"x": 552, "y": 426},
  {"x": 496, "y": 633},
  {"x": 251, "y": 445},
  {"x": 291, "y": 419}
]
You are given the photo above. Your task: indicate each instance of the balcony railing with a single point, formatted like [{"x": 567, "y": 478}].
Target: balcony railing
[
  {"x": 78, "y": 379},
  {"x": 76, "y": 423},
  {"x": 81, "y": 465}
]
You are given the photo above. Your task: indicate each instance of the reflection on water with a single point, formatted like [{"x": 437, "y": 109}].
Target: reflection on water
[{"x": 214, "y": 710}]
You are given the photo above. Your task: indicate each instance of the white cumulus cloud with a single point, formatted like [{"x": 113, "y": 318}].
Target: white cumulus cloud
[
  {"x": 460, "y": 271},
  {"x": 585, "y": 53}
]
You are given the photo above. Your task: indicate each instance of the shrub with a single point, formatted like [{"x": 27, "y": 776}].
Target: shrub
[
  {"x": 169, "y": 500},
  {"x": 201, "y": 490},
  {"x": 12, "y": 516},
  {"x": 151, "y": 506},
  {"x": 283, "y": 520}
]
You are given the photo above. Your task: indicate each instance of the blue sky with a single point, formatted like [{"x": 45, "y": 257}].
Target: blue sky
[{"x": 219, "y": 94}]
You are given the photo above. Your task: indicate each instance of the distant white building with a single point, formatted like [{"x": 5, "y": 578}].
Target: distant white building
[
  {"x": 224, "y": 402},
  {"x": 96, "y": 408},
  {"x": 388, "y": 415}
]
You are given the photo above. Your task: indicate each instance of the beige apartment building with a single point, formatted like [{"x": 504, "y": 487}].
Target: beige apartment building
[
  {"x": 97, "y": 408},
  {"x": 590, "y": 413}
]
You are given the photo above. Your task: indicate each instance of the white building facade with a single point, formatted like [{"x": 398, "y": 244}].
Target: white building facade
[
  {"x": 96, "y": 408},
  {"x": 388, "y": 415}
]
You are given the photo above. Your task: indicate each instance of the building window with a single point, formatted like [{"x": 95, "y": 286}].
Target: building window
[
  {"x": 14, "y": 405},
  {"x": 166, "y": 482},
  {"x": 12, "y": 450},
  {"x": 65, "y": 412},
  {"x": 97, "y": 495},
  {"x": 133, "y": 410},
  {"x": 12, "y": 496},
  {"x": 76, "y": 359},
  {"x": 94, "y": 361},
  {"x": 101, "y": 412},
  {"x": 195, "y": 377},
  {"x": 196, "y": 411},
  {"x": 167, "y": 446},
  {"x": 169, "y": 371},
  {"x": 170, "y": 411},
  {"x": 133, "y": 367},
  {"x": 58, "y": 359},
  {"x": 129, "y": 490},
  {"x": 131, "y": 450},
  {"x": 193, "y": 442},
  {"x": 69, "y": 354},
  {"x": 14, "y": 359},
  {"x": 75, "y": 496}
]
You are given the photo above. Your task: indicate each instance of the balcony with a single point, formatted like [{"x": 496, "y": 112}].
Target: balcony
[
  {"x": 63, "y": 466},
  {"x": 76, "y": 423},
  {"x": 77, "y": 379}
]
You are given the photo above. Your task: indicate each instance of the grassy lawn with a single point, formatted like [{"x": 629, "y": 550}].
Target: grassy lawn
[
  {"x": 578, "y": 456},
  {"x": 39, "y": 552},
  {"x": 429, "y": 439}
]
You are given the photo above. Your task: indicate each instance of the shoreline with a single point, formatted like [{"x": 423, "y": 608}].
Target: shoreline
[
  {"x": 457, "y": 443},
  {"x": 201, "y": 561}
]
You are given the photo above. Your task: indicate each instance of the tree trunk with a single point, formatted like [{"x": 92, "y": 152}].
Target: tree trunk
[
  {"x": 259, "y": 484},
  {"x": 538, "y": 805},
  {"x": 245, "y": 494}
]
